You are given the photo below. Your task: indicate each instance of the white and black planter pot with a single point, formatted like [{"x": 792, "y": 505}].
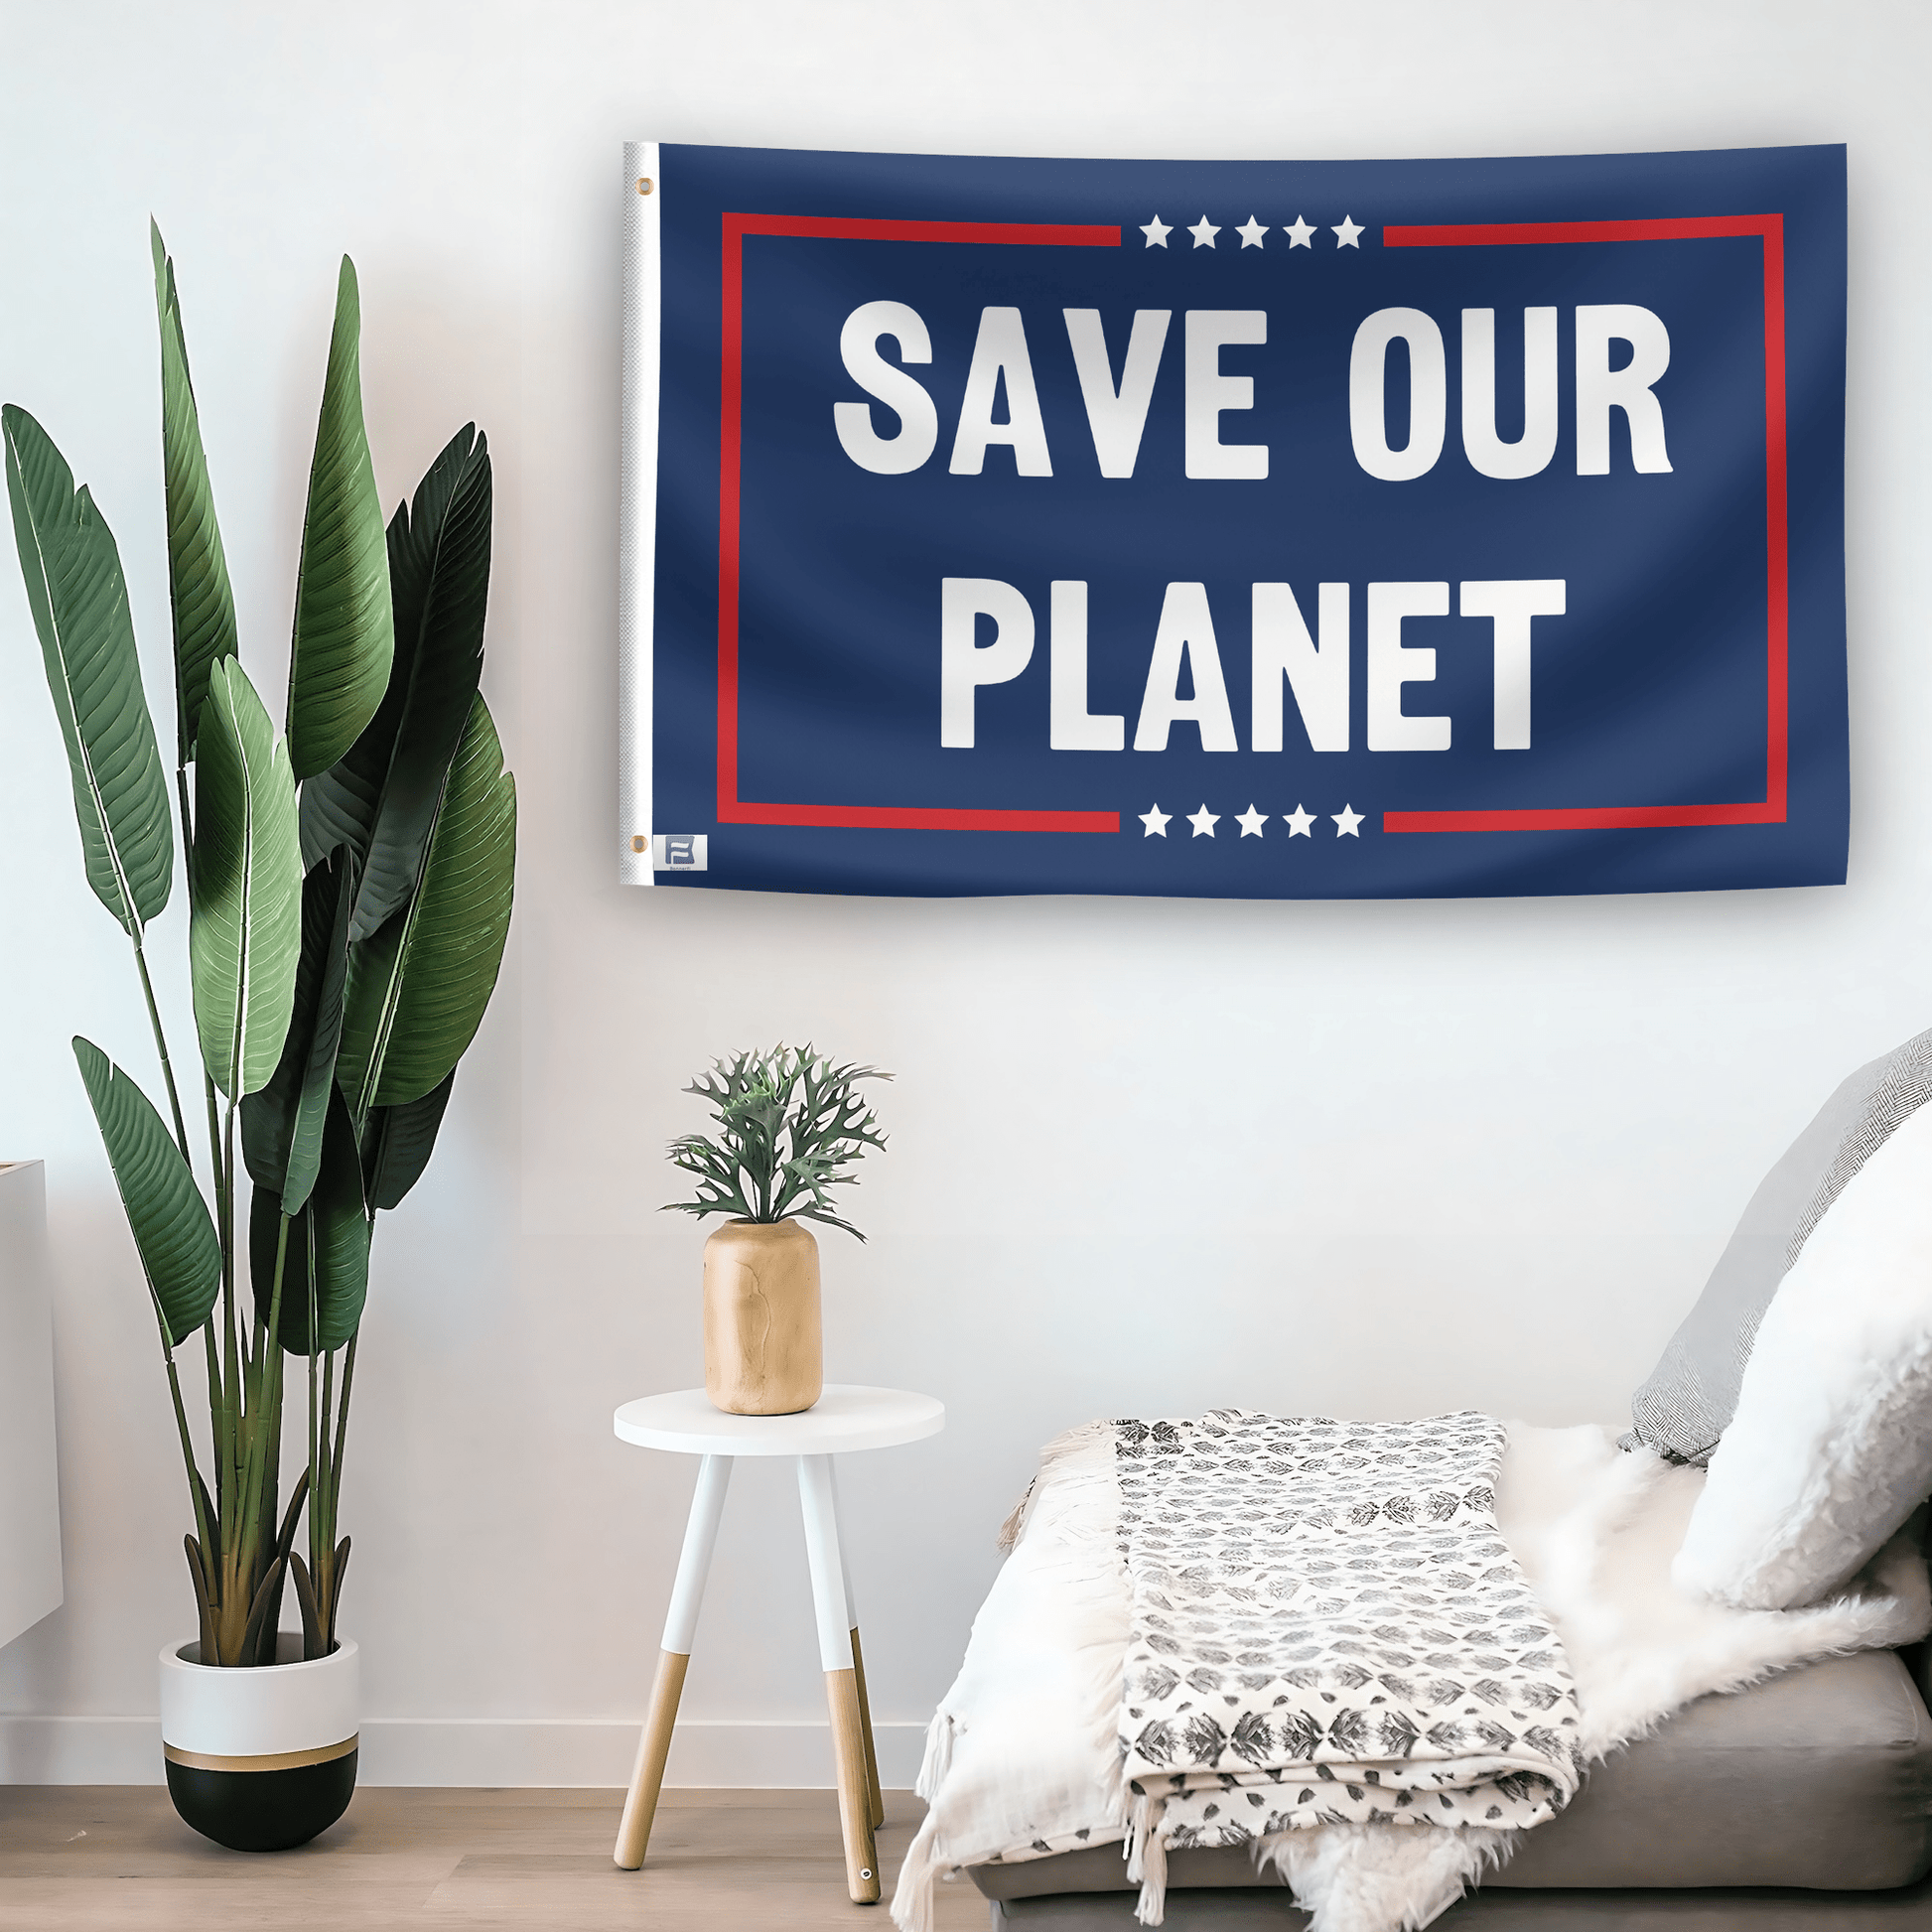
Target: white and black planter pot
[{"x": 260, "y": 1760}]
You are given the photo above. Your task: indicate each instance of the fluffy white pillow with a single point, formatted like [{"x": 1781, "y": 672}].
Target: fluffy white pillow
[{"x": 1830, "y": 1447}]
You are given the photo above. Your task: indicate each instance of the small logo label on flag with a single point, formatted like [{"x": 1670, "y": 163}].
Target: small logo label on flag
[{"x": 679, "y": 852}]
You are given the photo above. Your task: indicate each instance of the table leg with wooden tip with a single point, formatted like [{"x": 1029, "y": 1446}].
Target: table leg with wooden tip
[
  {"x": 849, "y": 1730},
  {"x": 876, "y": 1797},
  {"x": 854, "y": 1799},
  {"x": 653, "y": 1748},
  {"x": 680, "y": 1628},
  {"x": 877, "y": 1800}
]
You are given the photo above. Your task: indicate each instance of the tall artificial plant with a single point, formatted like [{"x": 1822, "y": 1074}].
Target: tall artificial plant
[{"x": 349, "y": 887}]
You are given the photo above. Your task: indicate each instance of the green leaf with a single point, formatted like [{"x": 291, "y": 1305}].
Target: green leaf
[
  {"x": 244, "y": 936},
  {"x": 397, "y": 1143},
  {"x": 344, "y": 635},
  {"x": 381, "y": 797},
  {"x": 417, "y": 991},
  {"x": 180, "y": 1253},
  {"x": 327, "y": 1248},
  {"x": 79, "y": 599},
  {"x": 198, "y": 569},
  {"x": 281, "y": 1125}
]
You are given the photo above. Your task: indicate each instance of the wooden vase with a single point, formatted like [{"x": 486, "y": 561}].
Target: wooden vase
[{"x": 764, "y": 1347}]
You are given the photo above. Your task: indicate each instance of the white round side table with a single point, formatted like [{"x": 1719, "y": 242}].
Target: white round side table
[{"x": 841, "y": 1419}]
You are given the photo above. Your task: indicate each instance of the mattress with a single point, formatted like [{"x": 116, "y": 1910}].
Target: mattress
[
  {"x": 1817, "y": 1780},
  {"x": 1504, "y": 1911}
]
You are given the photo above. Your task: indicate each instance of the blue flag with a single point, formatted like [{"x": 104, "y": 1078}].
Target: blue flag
[{"x": 1233, "y": 529}]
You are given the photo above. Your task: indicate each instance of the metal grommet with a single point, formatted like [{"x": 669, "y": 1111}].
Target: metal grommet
[
  {"x": 866, "y": 1872},
  {"x": 643, "y": 184},
  {"x": 640, "y": 843}
]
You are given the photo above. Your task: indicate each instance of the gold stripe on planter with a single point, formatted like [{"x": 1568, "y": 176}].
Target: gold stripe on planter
[{"x": 270, "y": 1762}]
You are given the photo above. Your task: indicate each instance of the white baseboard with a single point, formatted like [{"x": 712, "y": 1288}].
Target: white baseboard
[{"x": 484, "y": 1752}]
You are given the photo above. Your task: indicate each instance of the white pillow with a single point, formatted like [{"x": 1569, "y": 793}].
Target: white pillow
[{"x": 1830, "y": 1447}]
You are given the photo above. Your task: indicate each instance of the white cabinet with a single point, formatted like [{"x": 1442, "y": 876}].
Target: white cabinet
[{"x": 30, "y": 1506}]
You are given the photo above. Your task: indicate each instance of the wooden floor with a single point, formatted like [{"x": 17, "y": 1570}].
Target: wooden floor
[{"x": 110, "y": 1856}]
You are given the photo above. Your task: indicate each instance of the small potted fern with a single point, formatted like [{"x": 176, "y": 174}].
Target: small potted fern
[{"x": 790, "y": 1126}]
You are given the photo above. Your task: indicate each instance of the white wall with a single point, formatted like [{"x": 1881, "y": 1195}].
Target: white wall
[{"x": 1374, "y": 1159}]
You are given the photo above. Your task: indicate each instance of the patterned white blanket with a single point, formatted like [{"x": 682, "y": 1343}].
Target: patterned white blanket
[
  {"x": 1325, "y": 1627},
  {"x": 1023, "y": 1755}
]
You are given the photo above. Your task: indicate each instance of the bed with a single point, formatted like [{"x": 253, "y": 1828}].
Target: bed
[
  {"x": 1803, "y": 1803},
  {"x": 1669, "y": 1678}
]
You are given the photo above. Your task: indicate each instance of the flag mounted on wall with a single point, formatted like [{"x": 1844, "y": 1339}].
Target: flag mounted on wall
[{"x": 1233, "y": 529}]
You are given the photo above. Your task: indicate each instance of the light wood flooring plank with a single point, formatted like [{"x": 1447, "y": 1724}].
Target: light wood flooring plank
[{"x": 117, "y": 1859}]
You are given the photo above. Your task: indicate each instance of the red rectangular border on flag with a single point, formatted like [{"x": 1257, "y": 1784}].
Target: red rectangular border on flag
[{"x": 1771, "y": 809}]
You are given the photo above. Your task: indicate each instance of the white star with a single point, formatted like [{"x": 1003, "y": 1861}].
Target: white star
[
  {"x": 1346, "y": 822},
  {"x": 1156, "y": 822},
  {"x": 1251, "y": 822},
  {"x": 1203, "y": 822},
  {"x": 1203, "y": 232},
  {"x": 1300, "y": 236},
  {"x": 1297, "y": 822},
  {"x": 1251, "y": 233},
  {"x": 1156, "y": 233},
  {"x": 1345, "y": 235}
]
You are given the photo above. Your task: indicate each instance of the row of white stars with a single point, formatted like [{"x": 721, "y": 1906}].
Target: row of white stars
[
  {"x": 1348, "y": 233},
  {"x": 1299, "y": 823}
]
